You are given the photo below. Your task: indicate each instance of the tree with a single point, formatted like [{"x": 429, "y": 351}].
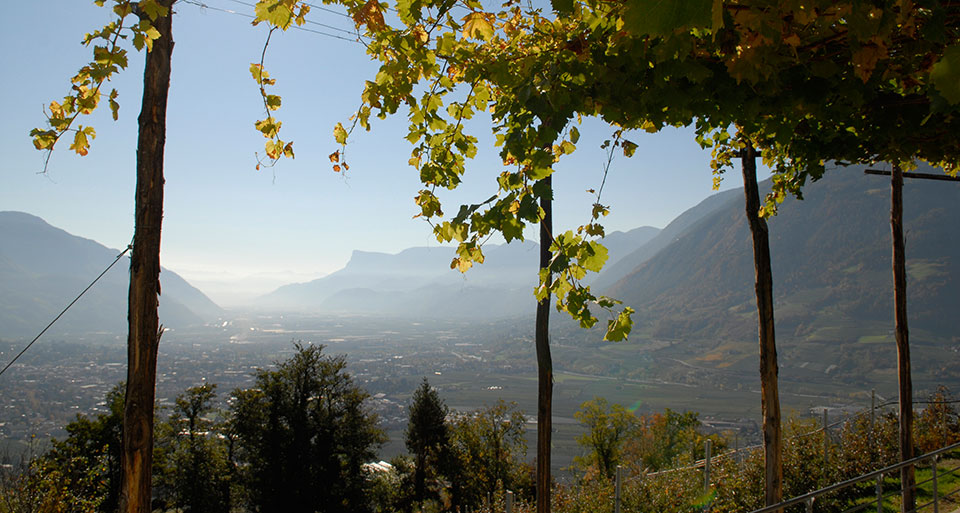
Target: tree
[
  {"x": 938, "y": 425},
  {"x": 427, "y": 435},
  {"x": 608, "y": 428},
  {"x": 44, "y": 487},
  {"x": 391, "y": 491},
  {"x": 662, "y": 440},
  {"x": 488, "y": 446},
  {"x": 78, "y": 473},
  {"x": 191, "y": 455},
  {"x": 93, "y": 448},
  {"x": 303, "y": 435}
]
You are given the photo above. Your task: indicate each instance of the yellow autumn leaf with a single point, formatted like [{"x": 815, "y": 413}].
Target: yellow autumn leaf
[{"x": 478, "y": 25}]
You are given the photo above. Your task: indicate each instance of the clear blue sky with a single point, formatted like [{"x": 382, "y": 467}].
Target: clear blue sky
[{"x": 223, "y": 219}]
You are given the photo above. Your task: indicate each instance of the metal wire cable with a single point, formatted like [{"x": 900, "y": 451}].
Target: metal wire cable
[
  {"x": 15, "y": 358},
  {"x": 297, "y": 27},
  {"x": 331, "y": 27}
]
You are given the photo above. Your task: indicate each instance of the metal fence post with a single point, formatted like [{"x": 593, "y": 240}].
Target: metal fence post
[
  {"x": 826, "y": 441},
  {"x": 880, "y": 493},
  {"x": 617, "y": 489},
  {"x": 810, "y": 505},
  {"x": 936, "y": 496},
  {"x": 509, "y": 501},
  {"x": 706, "y": 466},
  {"x": 736, "y": 446},
  {"x": 873, "y": 409}
]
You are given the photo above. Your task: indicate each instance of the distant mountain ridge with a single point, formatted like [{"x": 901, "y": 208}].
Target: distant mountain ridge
[
  {"x": 419, "y": 282},
  {"x": 42, "y": 268}
]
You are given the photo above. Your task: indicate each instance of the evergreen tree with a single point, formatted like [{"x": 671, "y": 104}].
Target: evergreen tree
[
  {"x": 427, "y": 436},
  {"x": 303, "y": 435}
]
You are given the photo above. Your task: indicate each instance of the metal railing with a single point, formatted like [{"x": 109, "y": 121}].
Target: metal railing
[{"x": 878, "y": 475}]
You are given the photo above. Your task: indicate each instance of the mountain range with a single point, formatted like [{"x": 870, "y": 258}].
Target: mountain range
[
  {"x": 694, "y": 278},
  {"x": 418, "y": 282},
  {"x": 691, "y": 280},
  {"x": 42, "y": 268}
]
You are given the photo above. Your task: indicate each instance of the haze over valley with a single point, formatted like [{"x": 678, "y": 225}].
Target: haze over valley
[{"x": 401, "y": 317}]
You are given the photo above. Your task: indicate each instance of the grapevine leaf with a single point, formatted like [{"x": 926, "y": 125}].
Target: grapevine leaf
[
  {"x": 273, "y": 102},
  {"x": 43, "y": 139},
  {"x": 593, "y": 256},
  {"x": 478, "y": 25},
  {"x": 340, "y": 134},
  {"x": 81, "y": 144},
  {"x": 664, "y": 17},
  {"x": 618, "y": 329},
  {"x": 562, "y": 6},
  {"x": 866, "y": 58},
  {"x": 114, "y": 106},
  {"x": 153, "y": 9},
  {"x": 945, "y": 75},
  {"x": 275, "y": 12},
  {"x": 371, "y": 16}
]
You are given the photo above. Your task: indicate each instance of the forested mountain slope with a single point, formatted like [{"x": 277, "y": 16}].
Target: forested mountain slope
[
  {"x": 42, "y": 268},
  {"x": 831, "y": 265}
]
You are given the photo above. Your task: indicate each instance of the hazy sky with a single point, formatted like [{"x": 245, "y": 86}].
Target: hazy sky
[{"x": 223, "y": 219}]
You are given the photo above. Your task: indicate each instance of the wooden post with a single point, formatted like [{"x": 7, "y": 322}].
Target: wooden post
[
  {"x": 908, "y": 504},
  {"x": 769, "y": 394},
  {"x": 544, "y": 362},
  {"x": 901, "y": 331},
  {"x": 143, "y": 337}
]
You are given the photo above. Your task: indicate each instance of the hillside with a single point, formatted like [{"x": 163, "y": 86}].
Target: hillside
[
  {"x": 42, "y": 268},
  {"x": 696, "y": 314},
  {"x": 831, "y": 265},
  {"x": 616, "y": 269}
]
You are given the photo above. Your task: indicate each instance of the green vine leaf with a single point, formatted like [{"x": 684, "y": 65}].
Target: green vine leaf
[{"x": 945, "y": 75}]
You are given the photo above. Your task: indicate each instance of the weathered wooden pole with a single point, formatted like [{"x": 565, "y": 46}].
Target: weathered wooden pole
[
  {"x": 143, "y": 337},
  {"x": 769, "y": 393},
  {"x": 908, "y": 502},
  {"x": 544, "y": 361},
  {"x": 901, "y": 333}
]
